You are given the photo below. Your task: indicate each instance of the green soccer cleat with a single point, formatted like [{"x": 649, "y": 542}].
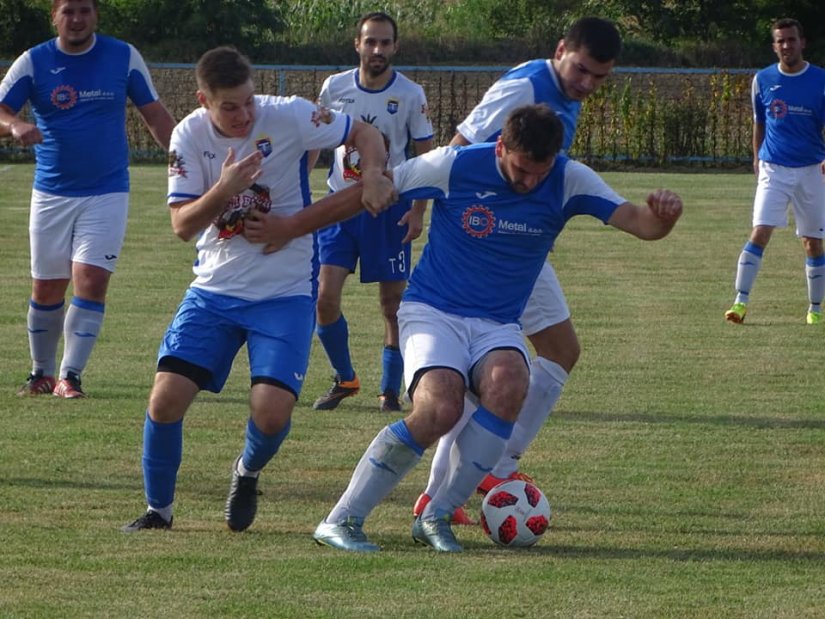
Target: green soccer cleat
[
  {"x": 347, "y": 535},
  {"x": 736, "y": 313},
  {"x": 814, "y": 318},
  {"x": 436, "y": 533}
]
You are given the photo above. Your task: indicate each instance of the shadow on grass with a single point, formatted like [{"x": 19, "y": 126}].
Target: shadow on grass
[{"x": 721, "y": 420}]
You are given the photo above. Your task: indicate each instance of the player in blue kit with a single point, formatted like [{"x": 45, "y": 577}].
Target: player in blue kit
[
  {"x": 582, "y": 61},
  {"x": 497, "y": 210},
  {"x": 78, "y": 85},
  {"x": 237, "y": 158},
  {"x": 789, "y": 161},
  {"x": 375, "y": 93}
]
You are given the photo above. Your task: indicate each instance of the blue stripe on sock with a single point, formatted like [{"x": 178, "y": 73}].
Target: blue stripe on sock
[
  {"x": 92, "y": 306},
  {"x": 46, "y": 308},
  {"x": 399, "y": 428},
  {"x": 494, "y": 424},
  {"x": 815, "y": 262},
  {"x": 754, "y": 249}
]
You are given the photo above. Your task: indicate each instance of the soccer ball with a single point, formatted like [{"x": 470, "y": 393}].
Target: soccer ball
[{"x": 515, "y": 514}]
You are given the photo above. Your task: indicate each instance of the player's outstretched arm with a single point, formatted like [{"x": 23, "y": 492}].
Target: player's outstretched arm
[
  {"x": 23, "y": 132},
  {"x": 189, "y": 218},
  {"x": 653, "y": 221},
  {"x": 379, "y": 192},
  {"x": 159, "y": 122},
  {"x": 277, "y": 231}
]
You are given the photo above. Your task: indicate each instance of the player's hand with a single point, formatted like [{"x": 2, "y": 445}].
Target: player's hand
[
  {"x": 25, "y": 133},
  {"x": 665, "y": 204},
  {"x": 378, "y": 193},
  {"x": 237, "y": 176},
  {"x": 414, "y": 220},
  {"x": 266, "y": 228}
]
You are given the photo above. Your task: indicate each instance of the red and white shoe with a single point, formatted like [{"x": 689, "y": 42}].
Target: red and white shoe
[
  {"x": 69, "y": 388},
  {"x": 491, "y": 481},
  {"x": 460, "y": 516}
]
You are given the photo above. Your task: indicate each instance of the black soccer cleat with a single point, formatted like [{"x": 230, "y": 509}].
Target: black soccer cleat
[
  {"x": 149, "y": 520},
  {"x": 242, "y": 502},
  {"x": 340, "y": 389}
]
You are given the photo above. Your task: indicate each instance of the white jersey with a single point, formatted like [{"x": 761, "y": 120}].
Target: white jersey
[
  {"x": 284, "y": 129},
  {"x": 399, "y": 111}
]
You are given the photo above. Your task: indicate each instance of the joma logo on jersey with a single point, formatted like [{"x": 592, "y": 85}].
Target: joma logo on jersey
[
  {"x": 478, "y": 221},
  {"x": 64, "y": 97}
]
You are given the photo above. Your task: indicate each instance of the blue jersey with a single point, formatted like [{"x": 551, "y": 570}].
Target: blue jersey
[
  {"x": 792, "y": 108},
  {"x": 527, "y": 84},
  {"x": 487, "y": 243},
  {"x": 79, "y": 104}
]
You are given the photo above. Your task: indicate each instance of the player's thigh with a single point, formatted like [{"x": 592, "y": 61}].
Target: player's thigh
[
  {"x": 774, "y": 190},
  {"x": 493, "y": 343},
  {"x": 51, "y": 231},
  {"x": 278, "y": 341},
  {"x": 205, "y": 335},
  {"x": 430, "y": 338},
  {"x": 809, "y": 202},
  {"x": 100, "y": 229},
  {"x": 546, "y": 305}
]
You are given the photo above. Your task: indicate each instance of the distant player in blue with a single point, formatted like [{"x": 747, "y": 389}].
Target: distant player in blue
[
  {"x": 78, "y": 85},
  {"x": 582, "y": 61},
  {"x": 375, "y": 93},
  {"x": 497, "y": 210},
  {"x": 789, "y": 161}
]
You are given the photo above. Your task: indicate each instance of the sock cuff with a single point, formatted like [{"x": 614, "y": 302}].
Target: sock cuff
[
  {"x": 496, "y": 425},
  {"x": 163, "y": 427},
  {"x": 92, "y": 306},
  {"x": 341, "y": 323},
  {"x": 402, "y": 433},
  {"x": 815, "y": 262},
  {"x": 553, "y": 369},
  {"x": 751, "y": 248},
  {"x": 46, "y": 308}
]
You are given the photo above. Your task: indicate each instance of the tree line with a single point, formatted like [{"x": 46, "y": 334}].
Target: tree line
[{"x": 729, "y": 33}]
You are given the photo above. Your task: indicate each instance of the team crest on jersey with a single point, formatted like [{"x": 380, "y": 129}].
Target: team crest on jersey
[
  {"x": 176, "y": 166},
  {"x": 778, "y": 108},
  {"x": 392, "y": 105},
  {"x": 64, "y": 97},
  {"x": 264, "y": 145},
  {"x": 321, "y": 115},
  {"x": 478, "y": 221},
  {"x": 231, "y": 222}
]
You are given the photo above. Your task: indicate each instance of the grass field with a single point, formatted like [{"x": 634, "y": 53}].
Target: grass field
[{"x": 685, "y": 462}]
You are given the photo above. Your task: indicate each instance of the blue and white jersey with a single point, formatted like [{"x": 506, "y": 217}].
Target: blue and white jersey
[
  {"x": 792, "y": 108},
  {"x": 399, "y": 111},
  {"x": 79, "y": 104},
  {"x": 529, "y": 83},
  {"x": 285, "y": 128},
  {"x": 487, "y": 243}
]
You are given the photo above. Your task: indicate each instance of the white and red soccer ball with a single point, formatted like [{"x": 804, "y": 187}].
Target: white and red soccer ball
[{"x": 515, "y": 514}]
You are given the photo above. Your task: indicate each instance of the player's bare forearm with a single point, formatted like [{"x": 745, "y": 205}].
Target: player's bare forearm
[
  {"x": 25, "y": 133},
  {"x": 277, "y": 231},
  {"x": 414, "y": 220},
  {"x": 653, "y": 221},
  {"x": 378, "y": 191},
  {"x": 159, "y": 122}
]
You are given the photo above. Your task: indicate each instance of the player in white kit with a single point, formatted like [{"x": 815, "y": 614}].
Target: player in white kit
[{"x": 232, "y": 162}]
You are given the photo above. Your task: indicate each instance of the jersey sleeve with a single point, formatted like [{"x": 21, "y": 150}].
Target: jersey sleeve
[
  {"x": 141, "y": 90},
  {"x": 325, "y": 98},
  {"x": 484, "y": 123},
  {"x": 756, "y": 102},
  {"x": 426, "y": 176},
  {"x": 186, "y": 179},
  {"x": 586, "y": 193},
  {"x": 319, "y": 126},
  {"x": 420, "y": 126},
  {"x": 16, "y": 87}
]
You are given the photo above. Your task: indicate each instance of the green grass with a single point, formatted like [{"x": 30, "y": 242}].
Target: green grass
[{"x": 685, "y": 462}]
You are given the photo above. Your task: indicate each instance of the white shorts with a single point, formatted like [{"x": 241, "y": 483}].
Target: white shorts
[
  {"x": 803, "y": 188},
  {"x": 546, "y": 306},
  {"x": 88, "y": 229},
  {"x": 432, "y": 338}
]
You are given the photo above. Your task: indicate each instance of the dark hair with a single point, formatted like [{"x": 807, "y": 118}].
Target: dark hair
[
  {"x": 377, "y": 16},
  {"x": 57, "y": 3},
  {"x": 598, "y": 36},
  {"x": 787, "y": 22},
  {"x": 222, "y": 67},
  {"x": 534, "y": 130}
]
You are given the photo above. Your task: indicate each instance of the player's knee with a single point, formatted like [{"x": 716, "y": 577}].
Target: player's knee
[
  {"x": 328, "y": 309},
  {"x": 563, "y": 349}
]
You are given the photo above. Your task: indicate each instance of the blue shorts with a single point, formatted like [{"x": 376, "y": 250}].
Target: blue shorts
[
  {"x": 209, "y": 329},
  {"x": 376, "y": 241}
]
